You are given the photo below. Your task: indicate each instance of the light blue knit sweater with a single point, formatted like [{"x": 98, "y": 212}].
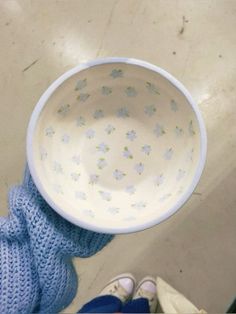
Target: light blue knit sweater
[{"x": 36, "y": 247}]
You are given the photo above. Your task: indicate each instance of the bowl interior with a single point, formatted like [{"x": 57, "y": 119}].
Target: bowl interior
[{"x": 115, "y": 146}]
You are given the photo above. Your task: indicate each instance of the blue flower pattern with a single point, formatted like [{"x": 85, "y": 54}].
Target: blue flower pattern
[
  {"x": 63, "y": 110},
  {"x": 122, "y": 113},
  {"x": 101, "y": 163},
  {"x": 83, "y": 97},
  {"x": 49, "y": 131},
  {"x": 159, "y": 179},
  {"x": 76, "y": 159},
  {"x": 131, "y": 91},
  {"x": 118, "y": 174},
  {"x": 131, "y": 135},
  {"x": 180, "y": 174},
  {"x": 110, "y": 129},
  {"x": 80, "y": 121},
  {"x": 139, "y": 205},
  {"x": 130, "y": 189},
  {"x": 127, "y": 153},
  {"x": 191, "y": 129},
  {"x": 152, "y": 88},
  {"x": 146, "y": 149},
  {"x": 139, "y": 168},
  {"x": 89, "y": 213},
  {"x": 98, "y": 114},
  {"x": 106, "y": 196},
  {"x": 90, "y": 133},
  {"x": 103, "y": 148},
  {"x": 173, "y": 105},
  {"x": 168, "y": 154},
  {"x": 80, "y": 195},
  {"x": 190, "y": 155},
  {"x": 65, "y": 138},
  {"x": 159, "y": 130},
  {"x": 57, "y": 167},
  {"x": 150, "y": 110},
  {"x": 43, "y": 154},
  {"x": 75, "y": 176},
  {"x": 93, "y": 179},
  {"x": 81, "y": 84},
  {"x": 115, "y": 73},
  {"x": 58, "y": 188},
  {"x": 106, "y": 90},
  {"x": 164, "y": 197},
  {"x": 113, "y": 210},
  {"x": 178, "y": 131}
]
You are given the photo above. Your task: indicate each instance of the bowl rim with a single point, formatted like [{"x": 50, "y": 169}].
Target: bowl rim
[{"x": 43, "y": 100}]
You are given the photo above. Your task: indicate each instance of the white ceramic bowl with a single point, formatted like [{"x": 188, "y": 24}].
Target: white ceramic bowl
[{"x": 116, "y": 145}]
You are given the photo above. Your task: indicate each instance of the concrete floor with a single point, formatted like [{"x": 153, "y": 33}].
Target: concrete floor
[{"x": 196, "y": 42}]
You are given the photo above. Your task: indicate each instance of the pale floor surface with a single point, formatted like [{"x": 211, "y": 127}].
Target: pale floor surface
[{"x": 196, "y": 42}]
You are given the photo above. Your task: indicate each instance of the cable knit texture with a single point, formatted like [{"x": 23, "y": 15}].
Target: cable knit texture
[{"x": 36, "y": 247}]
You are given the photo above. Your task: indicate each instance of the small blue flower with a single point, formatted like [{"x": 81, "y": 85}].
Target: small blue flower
[
  {"x": 75, "y": 176},
  {"x": 131, "y": 135},
  {"x": 101, "y": 163},
  {"x": 181, "y": 190},
  {"x": 168, "y": 154},
  {"x": 159, "y": 130},
  {"x": 152, "y": 88},
  {"x": 83, "y": 97},
  {"x": 81, "y": 84},
  {"x": 118, "y": 175},
  {"x": 150, "y": 110},
  {"x": 173, "y": 105},
  {"x": 104, "y": 148},
  {"x": 80, "y": 195},
  {"x": 80, "y": 121},
  {"x": 98, "y": 114},
  {"x": 180, "y": 175},
  {"x": 57, "y": 188},
  {"x": 49, "y": 131},
  {"x": 65, "y": 138},
  {"x": 146, "y": 149},
  {"x": 190, "y": 155},
  {"x": 43, "y": 154},
  {"x": 109, "y": 129},
  {"x": 178, "y": 131},
  {"x": 127, "y": 153},
  {"x": 76, "y": 159},
  {"x": 57, "y": 167},
  {"x": 129, "y": 218},
  {"x": 93, "y": 179},
  {"x": 139, "y": 205},
  {"x": 191, "y": 129},
  {"x": 113, "y": 210},
  {"x": 115, "y": 73},
  {"x": 63, "y": 110},
  {"x": 106, "y": 90},
  {"x": 122, "y": 113},
  {"x": 159, "y": 179},
  {"x": 88, "y": 212},
  {"x": 164, "y": 197},
  {"x": 90, "y": 133},
  {"x": 130, "y": 189},
  {"x": 139, "y": 168},
  {"x": 105, "y": 195},
  {"x": 130, "y": 91}
]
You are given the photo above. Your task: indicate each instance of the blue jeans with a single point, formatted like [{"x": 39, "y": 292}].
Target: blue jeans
[{"x": 111, "y": 304}]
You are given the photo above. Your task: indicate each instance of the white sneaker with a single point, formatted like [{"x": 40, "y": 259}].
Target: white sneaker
[
  {"x": 147, "y": 289},
  {"x": 121, "y": 287}
]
